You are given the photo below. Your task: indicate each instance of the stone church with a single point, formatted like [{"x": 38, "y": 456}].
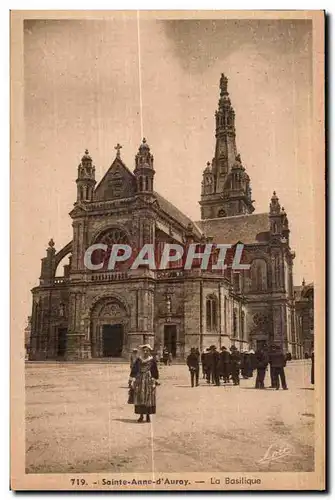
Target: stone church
[{"x": 92, "y": 314}]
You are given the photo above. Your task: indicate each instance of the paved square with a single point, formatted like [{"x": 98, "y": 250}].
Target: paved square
[{"x": 77, "y": 420}]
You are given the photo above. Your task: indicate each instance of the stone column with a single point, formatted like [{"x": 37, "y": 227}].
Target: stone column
[
  {"x": 141, "y": 321},
  {"x": 76, "y": 334},
  {"x": 194, "y": 314},
  {"x": 280, "y": 325},
  {"x": 277, "y": 324}
]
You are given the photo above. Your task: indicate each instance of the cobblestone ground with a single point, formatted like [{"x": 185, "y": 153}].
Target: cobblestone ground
[{"x": 77, "y": 420}]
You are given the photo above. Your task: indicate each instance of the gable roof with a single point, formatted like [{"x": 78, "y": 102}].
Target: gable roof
[
  {"x": 175, "y": 213},
  {"x": 246, "y": 229},
  {"x": 116, "y": 162},
  {"x": 118, "y": 177}
]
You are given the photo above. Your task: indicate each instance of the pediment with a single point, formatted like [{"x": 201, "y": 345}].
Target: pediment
[{"x": 118, "y": 182}]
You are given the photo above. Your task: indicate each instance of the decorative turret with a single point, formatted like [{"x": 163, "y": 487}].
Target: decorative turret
[
  {"x": 51, "y": 248},
  {"x": 48, "y": 263},
  {"x": 144, "y": 171},
  {"x": 274, "y": 204},
  {"x": 275, "y": 217},
  {"x": 279, "y": 226},
  {"x": 226, "y": 185},
  {"x": 86, "y": 179},
  {"x": 284, "y": 220},
  {"x": 207, "y": 185},
  {"x": 285, "y": 225}
]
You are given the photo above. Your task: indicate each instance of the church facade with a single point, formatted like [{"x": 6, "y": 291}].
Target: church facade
[{"x": 106, "y": 313}]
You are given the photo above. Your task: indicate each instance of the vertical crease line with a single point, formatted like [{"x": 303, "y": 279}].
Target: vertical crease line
[
  {"x": 139, "y": 69},
  {"x": 141, "y": 121},
  {"x": 152, "y": 454}
]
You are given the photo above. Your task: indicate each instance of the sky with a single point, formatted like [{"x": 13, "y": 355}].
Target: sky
[{"x": 94, "y": 83}]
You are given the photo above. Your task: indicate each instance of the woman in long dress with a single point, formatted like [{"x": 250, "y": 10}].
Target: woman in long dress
[{"x": 145, "y": 376}]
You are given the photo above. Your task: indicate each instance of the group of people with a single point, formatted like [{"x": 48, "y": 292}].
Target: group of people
[
  {"x": 216, "y": 366},
  {"x": 229, "y": 365}
]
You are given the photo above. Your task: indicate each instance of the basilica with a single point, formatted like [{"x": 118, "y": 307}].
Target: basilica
[{"x": 79, "y": 313}]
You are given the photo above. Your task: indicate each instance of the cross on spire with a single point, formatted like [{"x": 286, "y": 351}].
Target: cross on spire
[{"x": 118, "y": 147}]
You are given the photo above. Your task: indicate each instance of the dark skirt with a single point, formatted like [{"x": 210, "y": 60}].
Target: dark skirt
[
  {"x": 144, "y": 393},
  {"x": 145, "y": 410}
]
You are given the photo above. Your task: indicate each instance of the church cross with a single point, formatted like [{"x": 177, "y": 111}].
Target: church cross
[{"x": 118, "y": 147}]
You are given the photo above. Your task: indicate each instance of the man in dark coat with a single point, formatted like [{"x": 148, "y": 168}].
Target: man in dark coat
[
  {"x": 165, "y": 356},
  {"x": 235, "y": 361},
  {"x": 245, "y": 365},
  {"x": 213, "y": 365},
  {"x": 193, "y": 365},
  {"x": 269, "y": 350},
  {"x": 205, "y": 365},
  {"x": 261, "y": 361},
  {"x": 225, "y": 364},
  {"x": 278, "y": 362},
  {"x": 252, "y": 363}
]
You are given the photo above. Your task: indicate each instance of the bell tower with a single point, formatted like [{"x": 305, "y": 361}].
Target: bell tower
[{"x": 226, "y": 185}]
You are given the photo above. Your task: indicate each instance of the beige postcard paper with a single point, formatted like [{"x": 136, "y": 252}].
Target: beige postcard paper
[{"x": 167, "y": 250}]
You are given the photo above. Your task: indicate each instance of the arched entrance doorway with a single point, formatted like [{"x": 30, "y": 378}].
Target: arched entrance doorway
[{"x": 109, "y": 320}]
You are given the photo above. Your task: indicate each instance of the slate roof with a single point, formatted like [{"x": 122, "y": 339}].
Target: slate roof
[
  {"x": 175, "y": 213},
  {"x": 247, "y": 229}
]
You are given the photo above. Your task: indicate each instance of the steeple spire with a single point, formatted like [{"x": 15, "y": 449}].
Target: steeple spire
[
  {"x": 225, "y": 149},
  {"x": 223, "y": 85},
  {"x": 226, "y": 186}
]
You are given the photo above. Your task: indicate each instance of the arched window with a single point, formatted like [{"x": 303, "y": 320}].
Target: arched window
[
  {"x": 258, "y": 275},
  {"x": 211, "y": 313}
]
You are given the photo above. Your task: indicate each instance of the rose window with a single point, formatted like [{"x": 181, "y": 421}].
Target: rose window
[
  {"x": 110, "y": 238},
  {"x": 114, "y": 236}
]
